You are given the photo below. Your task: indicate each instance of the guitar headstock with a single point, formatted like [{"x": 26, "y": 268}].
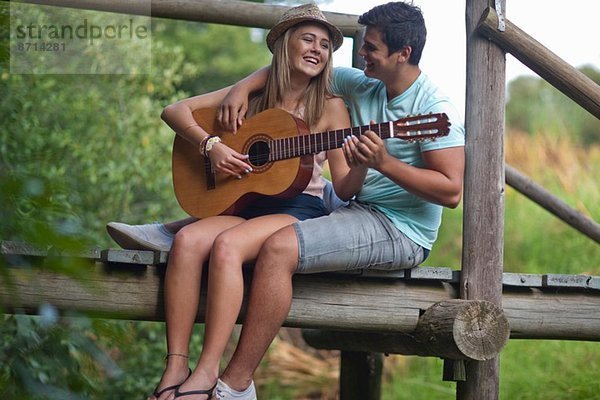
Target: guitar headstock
[{"x": 420, "y": 127}]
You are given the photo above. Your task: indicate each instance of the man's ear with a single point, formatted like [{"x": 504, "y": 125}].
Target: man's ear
[{"x": 403, "y": 55}]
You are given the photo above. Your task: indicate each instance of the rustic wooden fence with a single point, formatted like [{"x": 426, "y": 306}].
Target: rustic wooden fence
[{"x": 410, "y": 304}]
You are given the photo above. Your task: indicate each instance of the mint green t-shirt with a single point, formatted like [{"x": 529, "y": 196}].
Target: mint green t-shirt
[{"x": 366, "y": 99}]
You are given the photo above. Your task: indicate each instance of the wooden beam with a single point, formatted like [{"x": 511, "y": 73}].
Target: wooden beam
[
  {"x": 553, "y": 204},
  {"x": 537, "y": 306},
  {"x": 228, "y": 12},
  {"x": 452, "y": 329},
  {"x": 545, "y": 63},
  {"x": 483, "y": 219},
  {"x": 136, "y": 292}
]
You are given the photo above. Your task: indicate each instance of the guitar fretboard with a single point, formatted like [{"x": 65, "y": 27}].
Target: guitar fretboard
[{"x": 284, "y": 148}]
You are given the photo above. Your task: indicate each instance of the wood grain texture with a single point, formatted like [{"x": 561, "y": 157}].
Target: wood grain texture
[
  {"x": 483, "y": 218},
  {"x": 328, "y": 301}
]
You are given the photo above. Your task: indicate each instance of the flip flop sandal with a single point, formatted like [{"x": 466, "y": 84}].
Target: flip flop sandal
[
  {"x": 158, "y": 393},
  {"x": 207, "y": 392}
]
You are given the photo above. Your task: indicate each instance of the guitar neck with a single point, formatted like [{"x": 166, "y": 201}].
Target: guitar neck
[{"x": 296, "y": 146}]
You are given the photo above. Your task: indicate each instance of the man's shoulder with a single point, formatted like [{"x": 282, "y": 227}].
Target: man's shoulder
[
  {"x": 349, "y": 74},
  {"x": 431, "y": 98},
  {"x": 353, "y": 82}
]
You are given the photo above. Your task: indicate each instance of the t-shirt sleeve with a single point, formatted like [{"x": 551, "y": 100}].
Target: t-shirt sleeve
[
  {"x": 456, "y": 136},
  {"x": 345, "y": 81}
]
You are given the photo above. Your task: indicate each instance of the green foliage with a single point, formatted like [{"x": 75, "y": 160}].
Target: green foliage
[
  {"x": 88, "y": 142},
  {"x": 535, "y": 106},
  {"x": 221, "y": 54},
  {"x": 45, "y": 360},
  {"x": 529, "y": 370},
  {"x": 544, "y": 369},
  {"x": 77, "y": 151}
]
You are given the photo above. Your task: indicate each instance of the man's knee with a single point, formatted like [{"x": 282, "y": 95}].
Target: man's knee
[{"x": 280, "y": 249}]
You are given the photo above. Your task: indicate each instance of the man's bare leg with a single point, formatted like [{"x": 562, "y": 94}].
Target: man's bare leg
[{"x": 268, "y": 306}]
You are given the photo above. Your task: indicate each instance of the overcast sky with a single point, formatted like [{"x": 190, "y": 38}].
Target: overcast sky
[{"x": 569, "y": 29}]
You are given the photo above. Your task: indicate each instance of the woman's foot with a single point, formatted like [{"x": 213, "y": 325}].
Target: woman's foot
[
  {"x": 199, "y": 386},
  {"x": 176, "y": 372}
]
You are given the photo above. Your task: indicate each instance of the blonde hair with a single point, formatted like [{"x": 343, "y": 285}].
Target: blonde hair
[{"x": 278, "y": 82}]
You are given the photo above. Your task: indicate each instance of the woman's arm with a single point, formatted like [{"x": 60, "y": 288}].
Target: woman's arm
[
  {"x": 346, "y": 181},
  {"x": 179, "y": 117}
]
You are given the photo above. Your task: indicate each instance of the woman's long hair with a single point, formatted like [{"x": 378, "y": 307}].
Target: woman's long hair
[{"x": 278, "y": 83}]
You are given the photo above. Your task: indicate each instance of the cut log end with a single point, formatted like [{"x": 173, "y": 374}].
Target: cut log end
[{"x": 462, "y": 329}]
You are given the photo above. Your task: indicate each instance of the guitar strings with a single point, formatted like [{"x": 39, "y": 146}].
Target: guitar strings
[{"x": 304, "y": 145}]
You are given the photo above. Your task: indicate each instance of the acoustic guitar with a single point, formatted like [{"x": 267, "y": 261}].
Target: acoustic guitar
[{"x": 281, "y": 150}]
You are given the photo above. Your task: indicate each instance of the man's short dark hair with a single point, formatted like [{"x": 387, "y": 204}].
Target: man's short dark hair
[{"x": 400, "y": 24}]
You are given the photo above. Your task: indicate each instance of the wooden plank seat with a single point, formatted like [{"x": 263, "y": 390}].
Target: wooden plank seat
[{"x": 129, "y": 284}]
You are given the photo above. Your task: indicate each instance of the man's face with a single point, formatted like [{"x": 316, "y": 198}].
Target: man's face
[{"x": 376, "y": 55}]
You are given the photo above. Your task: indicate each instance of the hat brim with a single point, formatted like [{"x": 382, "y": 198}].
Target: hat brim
[{"x": 336, "y": 36}]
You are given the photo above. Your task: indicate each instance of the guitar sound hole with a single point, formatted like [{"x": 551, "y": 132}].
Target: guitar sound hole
[{"x": 258, "y": 153}]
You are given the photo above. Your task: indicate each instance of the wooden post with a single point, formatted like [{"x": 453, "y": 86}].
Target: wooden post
[
  {"x": 357, "y": 60},
  {"x": 360, "y": 375},
  {"x": 483, "y": 219}
]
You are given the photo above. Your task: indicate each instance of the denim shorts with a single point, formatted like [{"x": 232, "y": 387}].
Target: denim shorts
[
  {"x": 354, "y": 237},
  {"x": 302, "y": 207}
]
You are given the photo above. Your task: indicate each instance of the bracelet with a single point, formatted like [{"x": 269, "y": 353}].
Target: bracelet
[
  {"x": 202, "y": 144},
  {"x": 176, "y": 355},
  {"x": 209, "y": 143}
]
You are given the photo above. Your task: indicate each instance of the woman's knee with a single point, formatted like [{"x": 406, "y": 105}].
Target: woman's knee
[
  {"x": 225, "y": 250},
  {"x": 189, "y": 249},
  {"x": 186, "y": 238}
]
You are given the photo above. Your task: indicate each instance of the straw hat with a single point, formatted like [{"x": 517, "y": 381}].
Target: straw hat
[{"x": 303, "y": 13}]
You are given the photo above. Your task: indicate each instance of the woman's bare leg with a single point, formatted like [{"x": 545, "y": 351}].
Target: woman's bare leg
[
  {"x": 231, "y": 249},
  {"x": 188, "y": 255}
]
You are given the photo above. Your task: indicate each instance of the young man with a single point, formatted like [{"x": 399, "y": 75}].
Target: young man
[{"x": 398, "y": 188}]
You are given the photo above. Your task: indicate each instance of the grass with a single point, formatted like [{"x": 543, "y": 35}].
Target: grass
[{"x": 529, "y": 370}]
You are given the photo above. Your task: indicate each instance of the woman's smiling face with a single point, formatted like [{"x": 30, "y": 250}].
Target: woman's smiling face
[{"x": 309, "y": 48}]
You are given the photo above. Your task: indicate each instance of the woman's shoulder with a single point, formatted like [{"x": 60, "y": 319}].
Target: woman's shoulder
[
  {"x": 334, "y": 102},
  {"x": 335, "y": 115}
]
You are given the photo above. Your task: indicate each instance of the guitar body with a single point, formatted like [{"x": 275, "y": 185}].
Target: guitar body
[{"x": 202, "y": 193}]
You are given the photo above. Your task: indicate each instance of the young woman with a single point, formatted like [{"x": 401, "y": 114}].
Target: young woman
[{"x": 302, "y": 44}]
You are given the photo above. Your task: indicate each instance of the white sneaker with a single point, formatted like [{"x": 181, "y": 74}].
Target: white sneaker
[
  {"x": 224, "y": 392},
  {"x": 141, "y": 237}
]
